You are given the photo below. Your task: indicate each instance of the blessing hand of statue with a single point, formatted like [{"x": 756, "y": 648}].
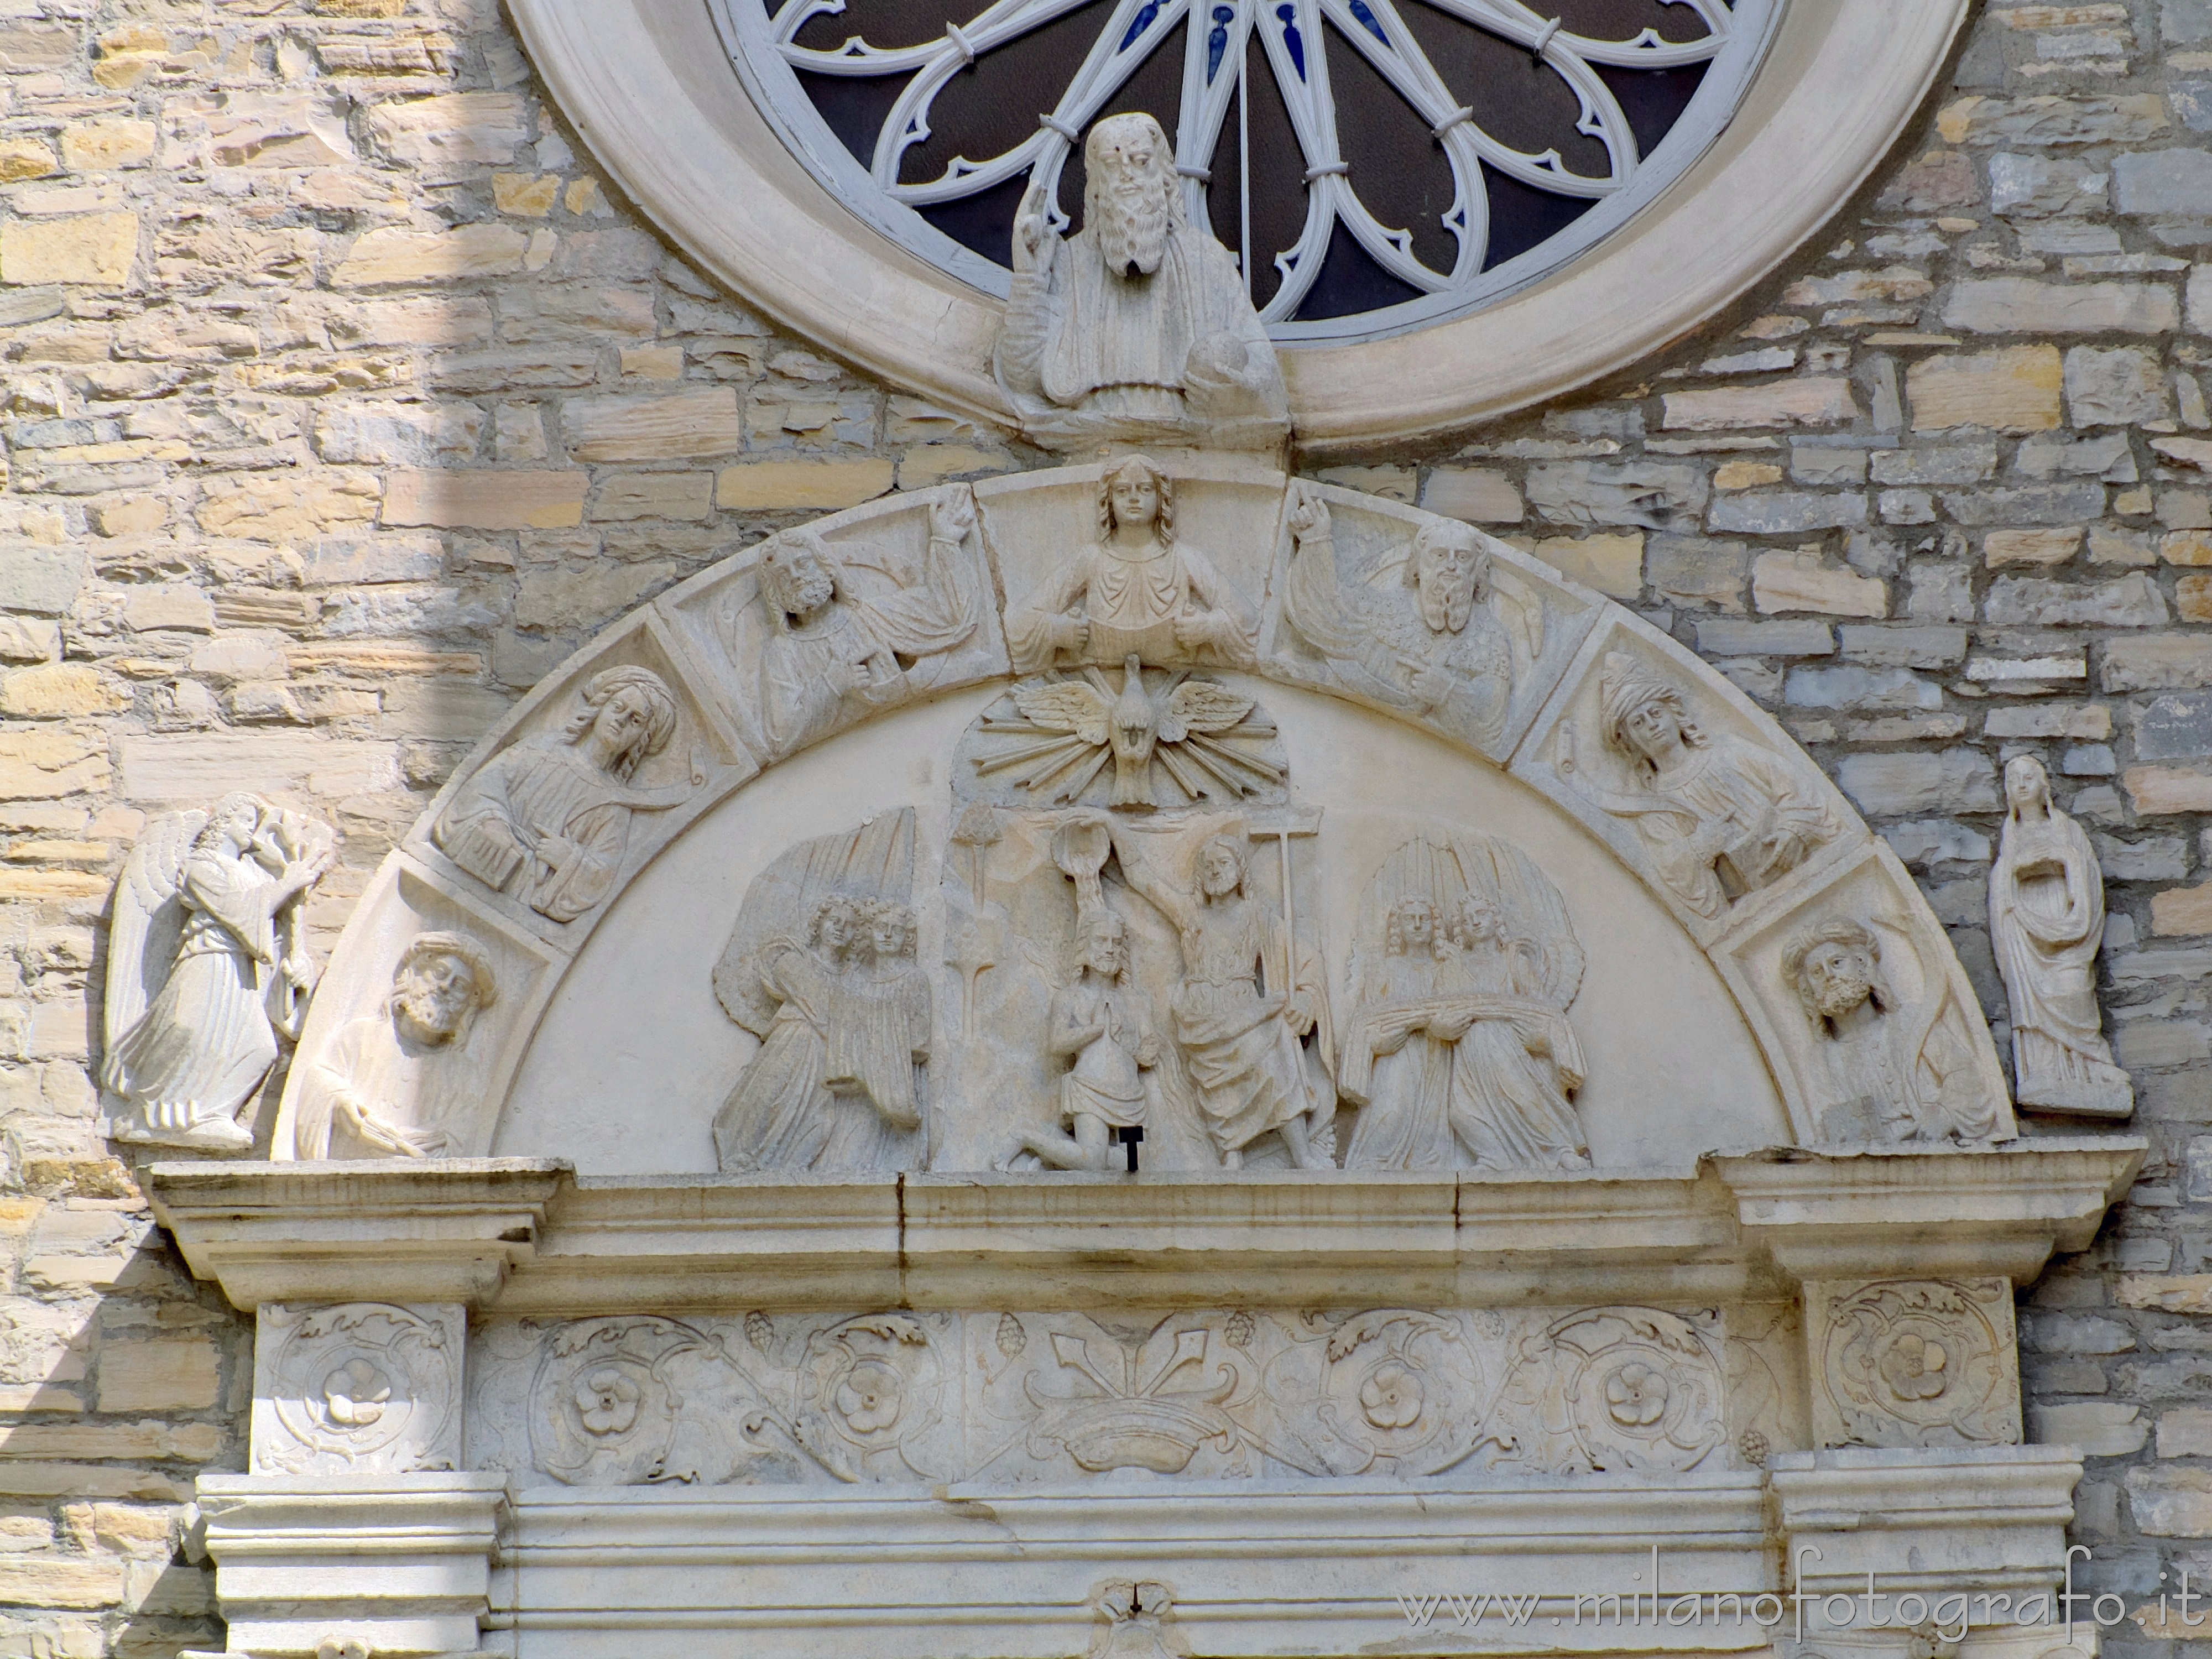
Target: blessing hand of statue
[{"x": 1033, "y": 241}]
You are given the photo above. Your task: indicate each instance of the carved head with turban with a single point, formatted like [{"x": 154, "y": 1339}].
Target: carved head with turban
[
  {"x": 1645, "y": 718},
  {"x": 629, "y": 714}
]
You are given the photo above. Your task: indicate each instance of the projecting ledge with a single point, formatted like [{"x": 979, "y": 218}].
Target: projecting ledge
[{"x": 530, "y": 1236}]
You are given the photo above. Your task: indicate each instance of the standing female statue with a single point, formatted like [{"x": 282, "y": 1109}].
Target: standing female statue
[{"x": 2046, "y": 922}]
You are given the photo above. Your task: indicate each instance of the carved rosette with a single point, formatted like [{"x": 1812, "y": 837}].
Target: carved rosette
[
  {"x": 1914, "y": 1363},
  {"x": 870, "y": 1389},
  {"x": 1642, "y": 1388},
  {"x": 359, "y": 1387},
  {"x": 1403, "y": 1386},
  {"x": 603, "y": 1406}
]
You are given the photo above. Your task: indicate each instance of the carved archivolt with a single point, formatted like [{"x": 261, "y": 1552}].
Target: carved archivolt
[{"x": 1129, "y": 613}]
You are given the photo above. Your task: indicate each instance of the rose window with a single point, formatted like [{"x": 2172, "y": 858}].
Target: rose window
[{"x": 1375, "y": 165}]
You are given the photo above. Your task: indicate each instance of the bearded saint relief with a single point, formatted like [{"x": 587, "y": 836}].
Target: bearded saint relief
[
  {"x": 1140, "y": 590},
  {"x": 1436, "y": 646},
  {"x": 383, "y": 1086},
  {"x": 2047, "y": 923},
  {"x": 1717, "y": 817},
  {"x": 1896, "y": 1071},
  {"x": 549, "y": 819},
  {"x": 1137, "y": 328}
]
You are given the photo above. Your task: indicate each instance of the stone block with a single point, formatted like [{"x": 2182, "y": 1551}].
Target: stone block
[
  {"x": 2052, "y": 122},
  {"x": 2192, "y": 597},
  {"x": 2171, "y": 1502},
  {"x": 1691, "y": 570},
  {"x": 1787, "y": 511},
  {"x": 1798, "y": 580},
  {"x": 1765, "y": 639},
  {"x": 61, "y": 690},
  {"x": 1612, "y": 564},
  {"x": 34, "y": 45},
  {"x": 2014, "y": 390},
  {"x": 2041, "y": 186},
  {"x": 2184, "y": 1433},
  {"x": 344, "y": 562},
  {"x": 277, "y": 129},
  {"x": 625, "y": 495},
  {"x": 99, "y": 145},
  {"x": 29, "y": 639},
  {"x": 2128, "y": 601},
  {"x": 1651, "y": 495},
  {"x": 533, "y": 368},
  {"x": 444, "y": 710},
  {"x": 591, "y": 313},
  {"x": 1476, "y": 494},
  {"x": 573, "y": 597},
  {"x": 2110, "y": 545},
  {"x": 1847, "y": 685},
  {"x": 2118, "y": 387},
  {"x": 168, "y": 606},
  {"x": 1896, "y": 785},
  {"x": 617, "y": 256},
  {"x": 528, "y": 196},
  {"x": 683, "y": 424},
  {"x": 24, "y": 158},
  {"x": 2182, "y": 910},
  {"x": 2041, "y": 547},
  {"x": 1745, "y": 475},
  {"x": 1938, "y": 181},
  {"x": 2156, "y": 791},
  {"x": 2158, "y": 662},
  {"x": 392, "y": 256},
  {"x": 485, "y": 500},
  {"x": 928, "y": 465},
  {"x": 61, "y": 1581},
  {"x": 286, "y": 506},
  {"x": 49, "y": 764},
  {"x": 445, "y": 138},
  {"x": 1905, "y": 647},
  {"x": 93, "y": 249},
  {"x": 2169, "y": 183},
  {"x": 159, "y": 1374},
  {"x": 1816, "y": 463},
  {"x": 2097, "y": 1428},
  {"x": 42, "y": 579},
  {"x": 2020, "y": 305},
  {"x": 385, "y": 434},
  {"x": 2176, "y": 726},
  {"x": 780, "y": 486},
  {"x": 203, "y": 767},
  {"x": 1806, "y": 401}
]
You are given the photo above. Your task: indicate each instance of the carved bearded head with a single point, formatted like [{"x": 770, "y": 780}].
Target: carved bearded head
[
  {"x": 1220, "y": 867},
  {"x": 1104, "y": 943},
  {"x": 1835, "y": 965},
  {"x": 796, "y": 575},
  {"x": 1130, "y": 194},
  {"x": 440, "y": 983},
  {"x": 1448, "y": 568}
]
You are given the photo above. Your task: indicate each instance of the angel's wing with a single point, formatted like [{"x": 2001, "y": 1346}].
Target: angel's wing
[
  {"x": 1532, "y": 909},
  {"x": 1521, "y": 614},
  {"x": 1201, "y": 706},
  {"x": 1326, "y": 616},
  {"x": 148, "y": 920},
  {"x": 1066, "y": 706}
]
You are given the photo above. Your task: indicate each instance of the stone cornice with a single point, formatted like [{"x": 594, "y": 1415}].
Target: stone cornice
[{"x": 528, "y": 1236}]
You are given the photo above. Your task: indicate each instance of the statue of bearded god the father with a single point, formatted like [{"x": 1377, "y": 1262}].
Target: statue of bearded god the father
[{"x": 1137, "y": 328}]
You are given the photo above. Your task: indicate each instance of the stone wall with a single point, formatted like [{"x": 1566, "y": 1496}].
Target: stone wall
[{"x": 344, "y": 398}]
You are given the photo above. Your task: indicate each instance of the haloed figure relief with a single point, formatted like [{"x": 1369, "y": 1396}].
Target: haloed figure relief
[
  {"x": 381, "y": 1089},
  {"x": 2047, "y": 922},
  {"x": 549, "y": 818},
  {"x": 208, "y": 967},
  {"x": 1459, "y": 1051},
  {"x": 1718, "y": 817}
]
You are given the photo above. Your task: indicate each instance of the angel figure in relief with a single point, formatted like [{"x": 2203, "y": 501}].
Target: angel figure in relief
[
  {"x": 1428, "y": 632},
  {"x": 549, "y": 818},
  {"x": 821, "y": 967},
  {"x": 1718, "y": 817},
  {"x": 1139, "y": 590},
  {"x": 1459, "y": 1049},
  {"x": 208, "y": 967}
]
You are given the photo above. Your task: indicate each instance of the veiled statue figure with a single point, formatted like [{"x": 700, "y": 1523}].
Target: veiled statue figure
[
  {"x": 208, "y": 967},
  {"x": 547, "y": 819},
  {"x": 2046, "y": 923},
  {"x": 1139, "y": 591},
  {"x": 1459, "y": 1050},
  {"x": 1426, "y": 635},
  {"x": 835, "y": 647},
  {"x": 821, "y": 968},
  {"x": 378, "y": 1090},
  {"x": 1897, "y": 1071},
  {"x": 1138, "y": 327},
  {"x": 1719, "y": 818},
  {"x": 1247, "y": 995}
]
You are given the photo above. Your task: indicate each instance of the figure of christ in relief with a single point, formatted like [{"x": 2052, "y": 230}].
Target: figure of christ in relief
[
  {"x": 549, "y": 818},
  {"x": 370, "y": 1093},
  {"x": 1719, "y": 818},
  {"x": 834, "y": 1085},
  {"x": 832, "y": 651},
  {"x": 1138, "y": 591},
  {"x": 1097, "y": 1024},
  {"x": 1458, "y": 1060},
  {"x": 1247, "y": 995},
  {"x": 1443, "y": 656},
  {"x": 1895, "y": 1071}
]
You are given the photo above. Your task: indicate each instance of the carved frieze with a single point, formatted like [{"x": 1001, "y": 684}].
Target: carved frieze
[
  {"x": 361, "y": 1388},
  {"x": 1914, "y": 1363},
  {"x": 1028, "y": 1396}
]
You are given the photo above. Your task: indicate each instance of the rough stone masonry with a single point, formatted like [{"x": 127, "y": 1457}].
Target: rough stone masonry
[{"x": 343, "y": 398}]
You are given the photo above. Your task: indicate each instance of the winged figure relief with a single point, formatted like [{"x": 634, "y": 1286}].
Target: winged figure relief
[{"x": 1201, "y": 734}]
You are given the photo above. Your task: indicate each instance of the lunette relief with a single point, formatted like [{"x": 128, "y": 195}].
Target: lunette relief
[{"x": 208, "y": 967}]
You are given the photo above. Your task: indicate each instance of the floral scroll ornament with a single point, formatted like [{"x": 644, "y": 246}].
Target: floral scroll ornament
[
  {"x": 364, "y": 1386},
  {"x": 1405, "y": 1388},
  {"x": 1918, "y": 1363},
  {"x": 870, "y": 1390},
  {"x": 1641, "y": 1388},
  {"x": 604, "y": 1403}
]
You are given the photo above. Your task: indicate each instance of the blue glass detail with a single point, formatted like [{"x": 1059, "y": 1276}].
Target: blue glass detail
[
  {"x": 1368, "y": 21},
  {"x": 1142, "y": 21},
  {"x": 1217, "y": 40},
  {"x": 1292, "y": 38}
]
